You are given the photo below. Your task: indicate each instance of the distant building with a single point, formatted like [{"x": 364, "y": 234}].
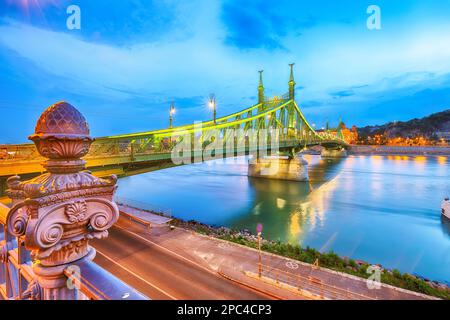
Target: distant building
[
  {"x": 444, "y": 135},
  {"x": 350, "y": 136}
]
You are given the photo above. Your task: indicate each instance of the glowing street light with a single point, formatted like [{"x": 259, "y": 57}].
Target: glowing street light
[
  {"x": 212, "y": 105},
  {"x": 171, "y": 113}
]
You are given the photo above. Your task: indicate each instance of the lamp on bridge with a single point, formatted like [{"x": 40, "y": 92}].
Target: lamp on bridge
[
  {"x": 171, "y": 113},
  {"x": 212, "y": 105}
]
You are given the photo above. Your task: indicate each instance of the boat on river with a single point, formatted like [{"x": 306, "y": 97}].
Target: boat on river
[{"x": 445, "y": 208}]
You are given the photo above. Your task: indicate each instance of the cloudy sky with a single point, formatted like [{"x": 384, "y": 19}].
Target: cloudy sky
[{"x": 130, "y": 59}]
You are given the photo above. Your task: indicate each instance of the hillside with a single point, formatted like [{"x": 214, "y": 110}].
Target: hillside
[{"x": 427, "y": 127}]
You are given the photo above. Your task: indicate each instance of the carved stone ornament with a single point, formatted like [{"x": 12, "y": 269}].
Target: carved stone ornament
[
  {"x": 59, "y": 211},
  {"x": 62, "y": 133},
  {"x": 58, "y": 226},
  {"x": 76, "y": 211}
]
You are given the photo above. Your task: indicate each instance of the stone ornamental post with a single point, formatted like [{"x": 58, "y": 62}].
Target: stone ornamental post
[{"x": 58, "y": 212}]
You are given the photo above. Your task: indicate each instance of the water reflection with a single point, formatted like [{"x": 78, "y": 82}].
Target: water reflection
[
  {"x": 442, "y": 160},
  {"x": 287, "y": 207}
]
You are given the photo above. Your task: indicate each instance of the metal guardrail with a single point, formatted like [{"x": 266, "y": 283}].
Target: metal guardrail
[
  {"x": 166, "y": 212},
  {"x": 16, "y": 273},
  {"x": 311, "y": 284}
]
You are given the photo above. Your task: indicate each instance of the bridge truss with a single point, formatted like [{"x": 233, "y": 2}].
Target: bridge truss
[{"x": 232, "y": 135}]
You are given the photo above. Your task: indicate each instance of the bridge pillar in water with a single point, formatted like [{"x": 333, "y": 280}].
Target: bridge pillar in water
[
  {"x": 279, "y": 168},
  {"x": 59, "y": 212},
  {"x": 333, "y": 153}
]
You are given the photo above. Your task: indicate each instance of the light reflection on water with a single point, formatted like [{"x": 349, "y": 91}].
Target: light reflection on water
[{"x": 382, "y": 209}]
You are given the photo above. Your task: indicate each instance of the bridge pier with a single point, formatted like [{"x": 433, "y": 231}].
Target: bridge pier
[
  {"x": 333, "y": 153},
  {"x": 279, "y": 168}
]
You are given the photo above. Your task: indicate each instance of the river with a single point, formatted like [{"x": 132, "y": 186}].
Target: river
[{"x": 380, "y": 209}]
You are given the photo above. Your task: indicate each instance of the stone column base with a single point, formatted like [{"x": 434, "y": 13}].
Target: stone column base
[
  {"x": 52, "y": 282},
  {"x": 333, "y": 153},
  {"x": 280, "y": 168}
]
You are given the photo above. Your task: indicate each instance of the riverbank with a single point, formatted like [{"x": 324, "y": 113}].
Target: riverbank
[
  {"x": 313, "y": 257},
  {"x": 398, "y": 150},
  {"x": 388, "y": 150},
  {"x": 329, "y": 260}
]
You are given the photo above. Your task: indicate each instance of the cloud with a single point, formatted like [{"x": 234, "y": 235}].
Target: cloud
[
  {"x": 259, "y": 24},
  {"x": 377, "y": 104},
  {"x": 310, "y": 104},
  {"x": 342, "y": 94}
]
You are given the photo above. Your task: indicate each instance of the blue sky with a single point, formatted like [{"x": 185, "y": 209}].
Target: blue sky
[{"x": 130, "y": 59}]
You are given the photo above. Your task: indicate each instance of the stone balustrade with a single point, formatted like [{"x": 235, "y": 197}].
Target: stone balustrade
[{"x": 44, "y": 234}]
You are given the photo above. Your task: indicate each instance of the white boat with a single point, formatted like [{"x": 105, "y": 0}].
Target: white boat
[{"x": 445, "y": 208}]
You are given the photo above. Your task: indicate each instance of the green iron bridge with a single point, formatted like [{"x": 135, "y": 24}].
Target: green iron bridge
[{"x": 136, "y": 153}]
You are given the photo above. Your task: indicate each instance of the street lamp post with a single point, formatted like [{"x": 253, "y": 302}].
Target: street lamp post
[
  {"x": 212, "y": 105},
  {"x": 259, "y": 255},
  {"x": 259, "y": 228}
]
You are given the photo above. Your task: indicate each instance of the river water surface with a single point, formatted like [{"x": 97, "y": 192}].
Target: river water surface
[{"x": 381, "y": 209}]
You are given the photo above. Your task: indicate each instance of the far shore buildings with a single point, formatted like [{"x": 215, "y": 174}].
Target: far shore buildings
[
  {"x": 350, "y": 136},
  {"x": 444, "y": 135}
]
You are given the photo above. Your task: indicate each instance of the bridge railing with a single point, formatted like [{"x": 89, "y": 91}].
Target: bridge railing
[
  {"x": 18, "y": 152},
  {"x": 91, "y": 282},
  {"x": 111, "y": 148},
  {"x": 15, "y": 262}
]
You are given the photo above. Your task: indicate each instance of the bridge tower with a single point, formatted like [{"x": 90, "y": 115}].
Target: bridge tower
[
  {"x": 260, "y": 88},
  {"x": 291, "y": 109},
  {"x": 260, "y": 122},
  {"x": 290, "y": 166},
  {"x": 291, "y": 83}
]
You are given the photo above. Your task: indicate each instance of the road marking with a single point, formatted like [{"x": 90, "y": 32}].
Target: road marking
[
  {"x": 292, "y": 265},
  {"x": 137, "y": 276},
  {"x": 224, "y": 245},
  {"x": 217, "y": 274},
  {"x": 168, "y": 250}
]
